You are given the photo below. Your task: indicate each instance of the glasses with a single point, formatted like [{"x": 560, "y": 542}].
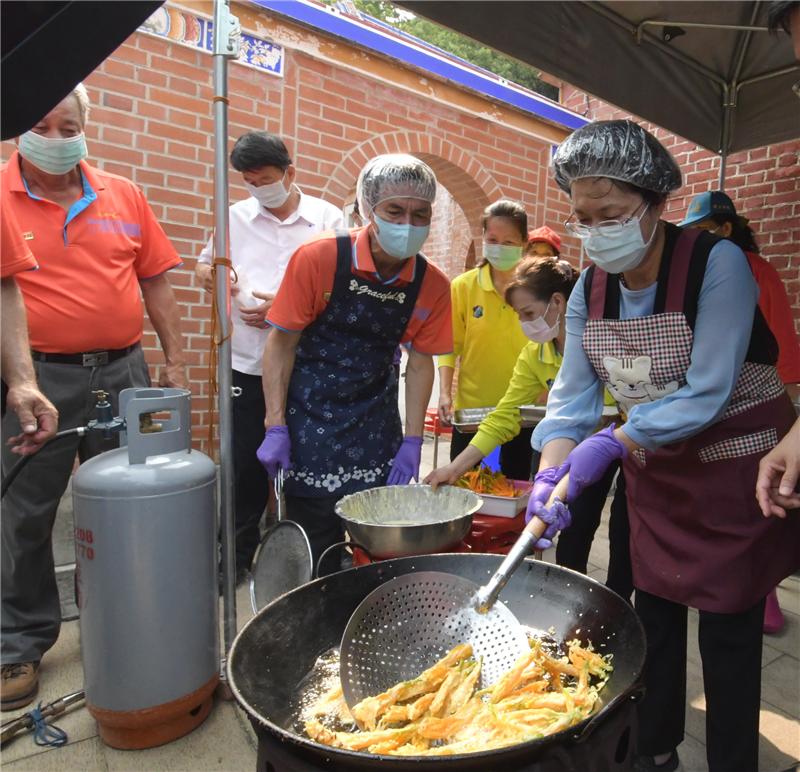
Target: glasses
[{"x": 605, "y": 228}]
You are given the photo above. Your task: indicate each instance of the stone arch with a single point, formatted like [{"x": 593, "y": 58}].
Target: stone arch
[{"x": 470, "y": 184}]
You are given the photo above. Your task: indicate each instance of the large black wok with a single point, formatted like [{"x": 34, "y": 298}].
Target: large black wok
[{"x": 279, "y": 646}]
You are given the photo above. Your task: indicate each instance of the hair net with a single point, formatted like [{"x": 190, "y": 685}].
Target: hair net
[
  {"x": 621, "y": 150},
  {"x": 393, "y": 176}
]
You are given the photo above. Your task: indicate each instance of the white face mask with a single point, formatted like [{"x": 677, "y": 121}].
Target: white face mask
[
  {"x": 539, "y": 331},
  {"x": 621, "y": 249},
  {"x": 270, "y": 196}
]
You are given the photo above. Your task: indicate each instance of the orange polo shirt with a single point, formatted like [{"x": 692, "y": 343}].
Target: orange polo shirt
[
  {"x": 308, "y": 282},
  {"x": 14, "y": 253},
  {"x": 85, "y": 295}
]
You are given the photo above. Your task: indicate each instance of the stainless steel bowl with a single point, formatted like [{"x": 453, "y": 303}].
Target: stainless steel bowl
[{"x": 401, "y": 520}]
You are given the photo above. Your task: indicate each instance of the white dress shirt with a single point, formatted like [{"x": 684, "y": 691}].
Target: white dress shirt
[{"x": 261, "y": 246}]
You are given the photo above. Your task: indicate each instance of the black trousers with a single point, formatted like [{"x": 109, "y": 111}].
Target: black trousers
[
  {"x": 574, "y": 544},
  {"x": 515, "y": 455},
  {"x": 250, "y": 479},
  {"x": 730, "y": 648},
  {"x": 318, "y": 518}
]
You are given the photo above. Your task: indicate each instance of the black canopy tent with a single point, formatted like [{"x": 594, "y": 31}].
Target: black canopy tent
[
  {"x": 708, "y": 71},
  {"x": 49, "y": 47}
]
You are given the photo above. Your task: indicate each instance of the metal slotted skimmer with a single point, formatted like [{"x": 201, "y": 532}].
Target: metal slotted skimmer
[
  {"x": 283, "y": 559},
  {"x": 408, "y": 623}
]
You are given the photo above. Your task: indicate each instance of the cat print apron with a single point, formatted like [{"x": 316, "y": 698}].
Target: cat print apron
[{"x": 697, "y": 534}]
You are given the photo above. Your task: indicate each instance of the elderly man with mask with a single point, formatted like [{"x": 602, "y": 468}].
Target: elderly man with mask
[
  {"x": 100, "y": 250},
  {"x": 346, "y": 302}
]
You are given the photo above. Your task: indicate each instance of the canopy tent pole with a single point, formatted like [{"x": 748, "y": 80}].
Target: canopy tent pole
[
  {"x": 226, "y": 31},
  {"x": 731, "y": 92},
  {"x": 723, "y": 168}
]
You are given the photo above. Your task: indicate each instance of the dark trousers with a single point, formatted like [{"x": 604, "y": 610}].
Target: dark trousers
[
  {"x": 730, "y": 648},
  {"x": 515, "y": 455},
  {"x": 318, "y": 518},
  {"x": 574, "y": 544},
  {"x": 31, "y": 611},
  {"x": 250, "y": 479}
]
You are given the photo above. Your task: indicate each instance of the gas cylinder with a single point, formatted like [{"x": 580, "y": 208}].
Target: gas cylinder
[{"x": 146, "y": 575}]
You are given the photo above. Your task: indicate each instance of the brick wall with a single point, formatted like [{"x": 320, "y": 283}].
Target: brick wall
[
  {"x": 151, "y": 121},
  {"x": 764, "y": 184},
  {"x": 450, "y": 236}
]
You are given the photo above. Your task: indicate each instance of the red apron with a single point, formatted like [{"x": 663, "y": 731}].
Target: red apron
[{"x": 697, "y": 534}]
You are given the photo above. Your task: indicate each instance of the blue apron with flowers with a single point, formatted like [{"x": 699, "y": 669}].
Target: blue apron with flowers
[{"x": 342, "y": 410}]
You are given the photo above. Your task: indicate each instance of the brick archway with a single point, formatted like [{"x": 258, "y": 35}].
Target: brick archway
[{"x": 467, "y": 180}]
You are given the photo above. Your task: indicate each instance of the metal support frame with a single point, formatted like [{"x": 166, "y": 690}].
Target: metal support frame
[
  {"x": 731, "y": 93},
  {"x": 695, "y": 25},
  {"x": 730, "y": 87},
  {"x": 226, "y": 36}
]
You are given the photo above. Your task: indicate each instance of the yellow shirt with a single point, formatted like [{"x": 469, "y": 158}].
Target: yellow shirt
[
  {"x": 534, "y": 374},
  {"x": 487, "y": 337}
]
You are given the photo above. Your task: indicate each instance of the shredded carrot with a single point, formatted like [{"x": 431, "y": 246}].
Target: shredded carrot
[{"x": 484, "y": 480}]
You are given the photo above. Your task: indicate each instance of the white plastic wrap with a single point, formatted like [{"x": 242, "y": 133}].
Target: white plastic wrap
[{"x": 396, "y": 175}]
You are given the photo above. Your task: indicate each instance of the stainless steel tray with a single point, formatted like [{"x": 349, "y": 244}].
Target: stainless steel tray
[
  {"x": 530, "y": 415},
  {"x": 468, "y": 419}
]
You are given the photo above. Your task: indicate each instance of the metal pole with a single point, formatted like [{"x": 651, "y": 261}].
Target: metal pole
[
  {"x": 225, "y": 47},
  {"x": 724, "y": 140},
  {"x": 730, "y": 96},
  {"x": 723, "y": 167}
]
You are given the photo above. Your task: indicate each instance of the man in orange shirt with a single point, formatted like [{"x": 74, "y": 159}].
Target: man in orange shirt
[
  {"x": 100, "y": 250},
  {"x": 36, "y": 415},
  {"x": 346, "y": 301}
]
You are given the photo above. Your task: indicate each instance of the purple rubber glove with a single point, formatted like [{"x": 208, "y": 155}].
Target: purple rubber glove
[
  {"x": 405, "y": 465},
  {"x": 543, "y": 484},
  {"x": 588, "y": 462},
  {"x": 557, "y": 516},
  {"x": 273, "y": 453}
]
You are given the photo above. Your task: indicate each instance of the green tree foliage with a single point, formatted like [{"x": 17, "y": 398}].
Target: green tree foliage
[{"x": 463, "y": 47}]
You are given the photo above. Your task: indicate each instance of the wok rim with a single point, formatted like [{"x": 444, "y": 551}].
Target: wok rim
[
  {"x": 474, "y": 507},
  {"x": 572, "y": 734}
]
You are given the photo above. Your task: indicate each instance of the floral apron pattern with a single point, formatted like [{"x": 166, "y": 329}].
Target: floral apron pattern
[
  {"x": 697, "y": 535},
  {"x": 342, "y": 410}
]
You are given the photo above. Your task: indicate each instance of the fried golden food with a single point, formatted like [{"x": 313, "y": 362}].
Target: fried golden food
[{"x": 441, "y": 712}]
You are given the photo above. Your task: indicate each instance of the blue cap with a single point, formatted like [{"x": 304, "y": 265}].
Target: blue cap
[{"x": 709, "y": 204}]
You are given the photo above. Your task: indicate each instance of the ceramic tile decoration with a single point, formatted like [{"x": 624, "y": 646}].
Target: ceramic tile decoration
[{"x": 197, "y": 32}]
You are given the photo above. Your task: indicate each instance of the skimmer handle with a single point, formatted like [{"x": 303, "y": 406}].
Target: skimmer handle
[
  {"x": 523, "y": 546},
  {"x": 279, "y": 501}
]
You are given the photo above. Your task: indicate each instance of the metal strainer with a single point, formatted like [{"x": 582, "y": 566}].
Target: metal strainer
[
  {"x": 401, "y": 628},
  {"x": 408, "y": 623},
  {"x": 283, "y": 559}
]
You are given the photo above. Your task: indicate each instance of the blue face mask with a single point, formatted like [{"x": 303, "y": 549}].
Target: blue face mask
[{"x": 400, "y": 241}]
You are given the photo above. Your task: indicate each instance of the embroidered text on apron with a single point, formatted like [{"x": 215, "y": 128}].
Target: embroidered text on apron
[
  {"x": 341, "y": 409},
  {"x": 697, "y": 534}
]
